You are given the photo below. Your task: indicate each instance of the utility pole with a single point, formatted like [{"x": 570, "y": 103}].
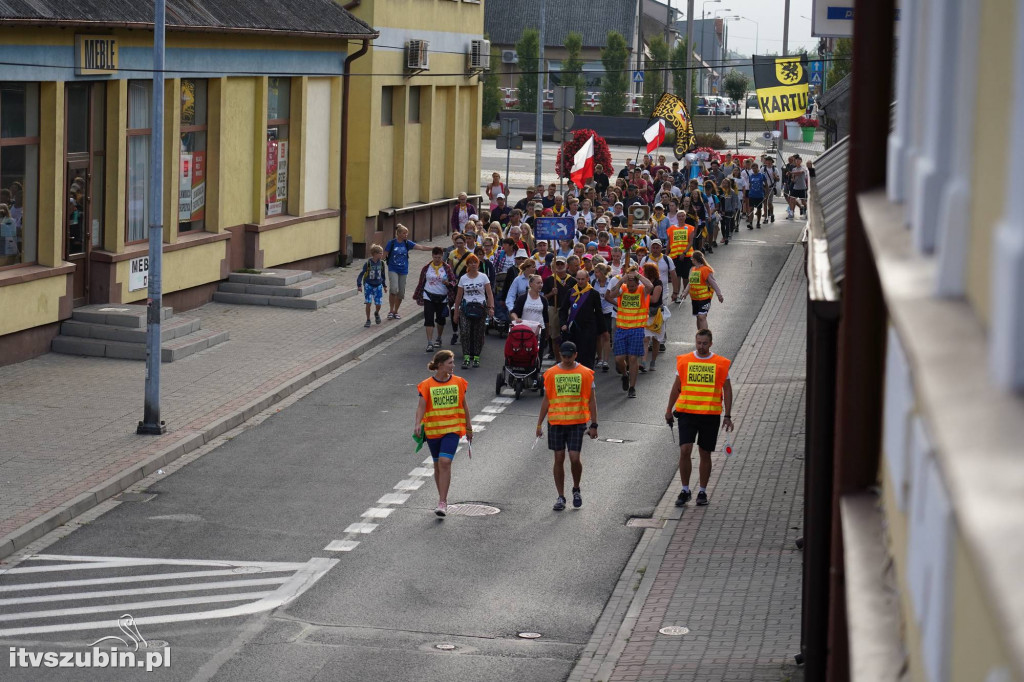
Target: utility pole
[
  {"x": 539, "y": 161},
  {"x": 639, "y": 41},
  {"x": 689, "y": 56},
  {"x": 151, "y": 422},
  {"x": 785, "y": 30},
  {"x": 668, "y": 37}
]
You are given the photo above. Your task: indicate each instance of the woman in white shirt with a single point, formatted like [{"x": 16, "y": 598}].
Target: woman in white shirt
[
  {"x": 602, "y": 282},
  {"x": 531, "y": 307},
  {"x": 473, "y": 303}
]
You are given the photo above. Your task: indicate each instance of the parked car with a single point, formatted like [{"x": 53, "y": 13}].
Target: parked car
[
  {"x": 721, "y": 107},
  {"x": 733, "y": 107},
  {"x": 752, "y": 101},
  {"x": 705, "y": 106}
]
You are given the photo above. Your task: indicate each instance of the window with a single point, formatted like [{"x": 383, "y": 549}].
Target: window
[
  {"x": 414, "y": 104},
  {"x": 279, "y": 94},
  {"x": 192, "y": 157},
  {"x": 19, "y": 172},
  {"x": 387, "y": 104},
  {"x": 140, "y": 107}
]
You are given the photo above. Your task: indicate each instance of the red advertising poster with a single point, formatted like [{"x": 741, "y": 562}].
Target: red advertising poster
[{"x": 273, "y": 205}]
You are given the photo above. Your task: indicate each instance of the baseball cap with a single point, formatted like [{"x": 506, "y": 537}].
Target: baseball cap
[
  {"x": 618, "y": 203},
  {"x": 601, "y": 221},
  {"x": 659, "y": 205},
  {"x": 567, "y": 348},
  {"x": 500, "y": 196},
  {"x": 655, "y": 241},
  {"x": 589, "y": 244},
  {"x": 560, "y": 259},
  {"x": 588, "y": 256},
  {"x": 521, "y": 253}
]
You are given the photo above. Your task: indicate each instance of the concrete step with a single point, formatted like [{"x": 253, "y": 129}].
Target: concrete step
[
  {"x": 271, "y": 277},
  {"x": 192, "y": 343},
  {"x": 302, "y": 288},
  {"x": 131, "y": 316},
  {"x": 170, "y": 351},
  {"x": 321, "y": 299},
  {"x": 170, "y": 329}
]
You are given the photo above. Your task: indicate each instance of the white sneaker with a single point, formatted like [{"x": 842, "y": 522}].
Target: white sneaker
[
  {"x": 442, "y": 509},
  {"x": 789, "y": 214}
]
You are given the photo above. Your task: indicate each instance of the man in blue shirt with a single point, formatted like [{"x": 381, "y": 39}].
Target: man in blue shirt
[
  {"x": 758, "y": 185},
  {"x": 396, "y": 252}
]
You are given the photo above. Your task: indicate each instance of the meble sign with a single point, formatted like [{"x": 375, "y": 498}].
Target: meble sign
[{"x": 96, "y": 55}]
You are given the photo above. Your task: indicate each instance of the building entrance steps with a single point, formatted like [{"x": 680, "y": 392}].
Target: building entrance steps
[
  {"x": 107, "y": 330},
  {"x": 282, "y": 288}
]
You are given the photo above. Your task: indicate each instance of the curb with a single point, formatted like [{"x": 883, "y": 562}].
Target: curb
[{"x": 189, "y": 441}]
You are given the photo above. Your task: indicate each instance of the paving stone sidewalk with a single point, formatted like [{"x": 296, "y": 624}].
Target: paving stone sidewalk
[
  {"x": 728, "y": 572},
  {"x": 68, "y": 422}
]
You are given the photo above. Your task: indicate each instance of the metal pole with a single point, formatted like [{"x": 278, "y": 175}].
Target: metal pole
[
  {"x": 151, "y": 422},
  {"x": 689, "y": 56},
  {"x": 668, "y": 37},
  {"x": 785, "y": 30},
  {"x": 703, "y": 35},
  {"x": 539, "y": 161}
]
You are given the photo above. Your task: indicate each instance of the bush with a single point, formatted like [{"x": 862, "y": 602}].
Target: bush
[
  {"x": 490, "y": 133},
  {"x": 710, "y": 140},
  {"x": 805, "y": 122}
]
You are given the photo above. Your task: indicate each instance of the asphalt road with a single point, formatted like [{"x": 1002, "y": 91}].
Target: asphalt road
[{"x": 281, "y": 491}]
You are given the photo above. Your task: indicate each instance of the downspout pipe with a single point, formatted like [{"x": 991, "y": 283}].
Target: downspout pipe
[{"x": 343, "y": 175}]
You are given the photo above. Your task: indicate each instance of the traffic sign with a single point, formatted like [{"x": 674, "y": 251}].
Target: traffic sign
[
  {"x": 554, "y": 228},
  {"x": 638, "y": 76},
  {"x": 565, "y": 96},
  {"x": 564, "y": 119},
  {"x": 816, "y": 78},
  {"x": 509, "y": 142},
  {"x": 817, "y": 65}
]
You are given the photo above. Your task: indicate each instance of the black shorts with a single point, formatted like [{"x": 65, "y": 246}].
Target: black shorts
[
  {"x": 700, "y": 307},
  {"x": 798, "y": 193},
  {"x": 566, "y": 436},
  {"x": 435, "y": 309},
  {"x": 702, "y": 428},
  {"x": 755, "y": 202},
  {"x": 683, "y": 266}
]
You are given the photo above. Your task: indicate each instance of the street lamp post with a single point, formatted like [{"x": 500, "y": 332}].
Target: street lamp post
[
  {"x": 539, "y": 151},
  {"x": 703, "y": 34},
  {"x": 721, "y": 43},
  {"x": 757, "y": 31}
]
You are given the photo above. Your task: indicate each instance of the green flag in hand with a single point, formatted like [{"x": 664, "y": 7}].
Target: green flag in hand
[{"x": 420, "y": 438}]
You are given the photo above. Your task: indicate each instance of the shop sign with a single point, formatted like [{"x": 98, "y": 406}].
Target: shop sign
[
  {"x": 96, "y": 55},
  {"x": 191, "y": 186},
  {"x": 138, "y": 273}
]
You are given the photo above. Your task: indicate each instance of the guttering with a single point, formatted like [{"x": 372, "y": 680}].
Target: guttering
[
  {"x": 148, "y": 26},
  {"x": 346, "y": 72}
]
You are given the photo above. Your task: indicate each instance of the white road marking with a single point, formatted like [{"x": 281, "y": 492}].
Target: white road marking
[
  {"x": 194, "y": 587},
  {"x": 421, "y": 471},
  {"x": 494, "y": 409},
  {"x": 135, "y": 561},
  {"x": 377, "y": 513},
  {"x": 361, "y": 528},
  {"x": 501, "y": 400},
  {"x": 483, "y": 418},
  {"x": 127, "y": 579},
  {"x": 341, "y": 546},
  {"x": 409, "y": 484},
  {"x": 393, "y": 498},
  {"x": 429, "y": 460}
]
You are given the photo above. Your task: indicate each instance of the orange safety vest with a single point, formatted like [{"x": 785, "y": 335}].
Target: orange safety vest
[
  {"x": 680, "y": 241},
  {"x": 446, "y": 406},
  {"x": 568, "y": 393},
  {"x": 699, "y": 289},
  {"x": 700, "y": 383},
  {"x": 632, "y": 313}
]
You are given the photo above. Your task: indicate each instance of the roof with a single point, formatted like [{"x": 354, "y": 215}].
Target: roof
[
  {"x": 505, "y": 20},
  {"x": 310, "y": 18},
  {"x": 835, "y": 92},
  {"x": 827, "y": 224}
]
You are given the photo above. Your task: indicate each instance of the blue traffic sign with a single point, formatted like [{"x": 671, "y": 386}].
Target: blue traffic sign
[
  {"x": 816, "y": 65},
  {"x": 554, "y": 228},
  {"x": 816, "y": 78},
  {"x": 638, "y": 76}
]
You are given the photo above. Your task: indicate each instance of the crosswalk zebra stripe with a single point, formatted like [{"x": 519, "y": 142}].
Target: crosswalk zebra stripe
[
  {"x": 197, "y": 587},
  {"x": 130, "y": 579}
]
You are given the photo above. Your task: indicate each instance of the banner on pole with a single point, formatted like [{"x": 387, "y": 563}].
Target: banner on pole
[
  {"x": 673, "y": 109},
  {"x": 781, "y": 84}
]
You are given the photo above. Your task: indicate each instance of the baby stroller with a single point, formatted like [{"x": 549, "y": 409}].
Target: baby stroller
[
  {"x": 522, "y": 362},
  {"x": 500, "y": 319}
]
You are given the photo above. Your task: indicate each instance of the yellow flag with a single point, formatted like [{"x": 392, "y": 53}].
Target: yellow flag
[
  {"x": 673, "y": 110},
  {"x": 781, "y": 84}
]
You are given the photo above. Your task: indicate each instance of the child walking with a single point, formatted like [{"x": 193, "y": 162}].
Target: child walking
[{"x": 373, "y": 277}]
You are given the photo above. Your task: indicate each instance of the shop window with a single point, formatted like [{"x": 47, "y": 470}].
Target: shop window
[
  {"x": 278, "y": 111},
  {"x": 19, "y": 173},
  {"x": 414, "y": 104},
  {"x": 192, "y": 159},
  {"x": 140, "y": 107},
  {"x": 387, "y": 105}
]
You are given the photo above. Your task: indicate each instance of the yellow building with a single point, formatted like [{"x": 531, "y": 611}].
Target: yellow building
[
  {"x": 415, "y": 125},
  {"x": 253, "y": 151}
]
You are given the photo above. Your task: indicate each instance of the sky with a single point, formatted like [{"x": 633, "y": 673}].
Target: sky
[{"x": 768, "y": 14}]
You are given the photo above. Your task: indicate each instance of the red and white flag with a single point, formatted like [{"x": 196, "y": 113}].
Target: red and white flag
[
  {"x": 655, "y": 135},
  {"x": 583, "y": 163}
]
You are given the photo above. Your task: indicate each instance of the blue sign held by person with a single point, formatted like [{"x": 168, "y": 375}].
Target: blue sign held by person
[{"x": 554, "y": 228}]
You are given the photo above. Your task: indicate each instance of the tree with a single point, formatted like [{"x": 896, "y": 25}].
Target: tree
[
  {"x": 572, "y": 69},
  {"x": 842, "y": 61},
  {"x": 614, "y": 57},
  {"x": 736, "y": 84},
  {"x": 602, "y": 155},
  {"x": 492, "y": 91},
  {"x": 654, "y": 78},
  {"x": 678, "y": 63},
  {"x": 528, "y": 50}
]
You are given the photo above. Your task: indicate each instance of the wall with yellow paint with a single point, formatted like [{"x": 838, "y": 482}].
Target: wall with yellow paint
[
  {"x": 31, "y": 304},
  {"x": 413, "y": 141},
  {"x": 439, "y": 159},
  {"x": 182, "y": 269},
  {"x": 238, "y": 131},
  {"x": 296, "y": 242}
]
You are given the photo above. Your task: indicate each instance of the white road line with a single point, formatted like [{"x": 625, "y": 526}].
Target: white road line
[
  {"x": 341, "y": 546},
  {"x": 361, "y": 528},
  {"x": 134, "y": 561},
  {"x": 421, "y": 471},
  {"x": 394, "y": 498},
  {"x": 135, "y": 606},
  {"x": 409, "y": 484},
  {"x": 501, "y": 400},
  {"x": 196, "y": 587},
  {"x": 483, "y": 418},
  {"x": 494, "y": 409},
  {"x": 377, "y": 513},
  {"x": 429, "y": 460},
  {"x": 126, "y": 579}
]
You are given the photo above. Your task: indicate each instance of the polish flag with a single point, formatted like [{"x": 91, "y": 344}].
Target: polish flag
[
  {"x": 655, "y": 135},
  {"x": 583, "y": 163}
]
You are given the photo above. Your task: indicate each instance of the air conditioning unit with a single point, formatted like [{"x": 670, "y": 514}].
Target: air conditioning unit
[
  {"x": 509, "y": 57},
  {"x": 479, "y": 56},
  {"x": 417, "y": 55}
]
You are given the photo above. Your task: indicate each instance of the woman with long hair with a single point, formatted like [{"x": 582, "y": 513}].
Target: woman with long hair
[
  {"x": 700, "y": 286},
  {"x": 654, "y": 332},
  {"x": 436, "y": 293},
  {"x": 473, "y": 303},
  {"x": 730, "y": 208}
]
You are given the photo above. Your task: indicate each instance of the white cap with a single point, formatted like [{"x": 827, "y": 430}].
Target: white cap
[
  {"x": 521, "y": 253},
  {"x": 655, "y": 241},
  {"x": 500, "y": 196},
  {"x": 659, "y": 205},
  {"x": 601, "y": 221}
]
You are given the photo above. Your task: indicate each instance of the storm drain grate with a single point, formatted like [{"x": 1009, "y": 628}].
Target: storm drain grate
[
  {"x": 471, "y": 509},
  {"x": 641, "y": 522}
]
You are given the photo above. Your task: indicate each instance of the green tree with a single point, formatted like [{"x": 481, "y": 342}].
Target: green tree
[
  {"x": 654, "y": 77},
  {"x": 678, "y": 64},
  {"x": 528, "y": 50},
  {"x": 572, "y": 69},
  {"x": 842, "y": 61},
  {"x": 736, "y": 84},
  {"x": 492, "y": 91},
  {"x": 614, "y": 57}
]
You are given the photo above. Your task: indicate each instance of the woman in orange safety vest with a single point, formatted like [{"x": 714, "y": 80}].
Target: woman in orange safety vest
[{"x": 700, "y": 285}]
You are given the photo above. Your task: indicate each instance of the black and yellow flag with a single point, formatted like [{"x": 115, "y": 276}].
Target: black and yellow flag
[
  {"x": 673, "y": 110},
  {"x": 781, "y": 84}
]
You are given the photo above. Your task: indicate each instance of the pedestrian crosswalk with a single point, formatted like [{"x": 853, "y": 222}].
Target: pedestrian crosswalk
[{"x": 60, "y": 593}]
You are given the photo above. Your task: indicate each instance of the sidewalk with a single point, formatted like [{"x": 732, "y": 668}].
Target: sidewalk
[
  {"x": 728, "y": 572},
  {"x": 68, "y": 422}
]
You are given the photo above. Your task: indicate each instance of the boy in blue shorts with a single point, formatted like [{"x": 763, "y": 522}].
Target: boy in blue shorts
[{"x": 373, "y": 278}]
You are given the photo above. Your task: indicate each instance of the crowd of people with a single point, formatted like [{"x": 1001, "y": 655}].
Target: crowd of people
[{"x": 596, "y": 299}]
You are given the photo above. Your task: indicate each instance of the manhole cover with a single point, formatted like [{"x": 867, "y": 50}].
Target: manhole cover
[
  {"x": 529, "y": 635},
  {"x": 674, "y": 630},
  {"x": 471, "y": 509},
  {"x": 639, "y": 522},
  {"x": 445, "y": 647}
]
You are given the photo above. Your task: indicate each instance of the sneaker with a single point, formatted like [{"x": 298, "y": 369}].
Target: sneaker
[
  {"x": 604, "y": 366},
  {"x": 651, "y": 368},
  {"x": 702, "y": 499},
  {"x": 773, "y": 217},
  {"x": 750, "y": 226},
  {"x": 376, "y": 318},
  {"x": 759, "y": 224},
  {"x": 642, "y": 369},
  {"x": 391, "y": 316},
  {"x": 632, "y": 392},
  {"x": 625, "y": 382},
  {"x": 367, "y": 324},
  {"x": 465, "y": 362},
  {"x": 442, "y": 509},
  {"x": 455, "y": 339},
  {"x": 559, "y": 504},
  {"x": 683, "y": 498},
  {"x": 430, "y": 347},
  {"x": 577, "y": 499},
  {"x": 476, "y": 361},
  {"x": 661, "y": 347}
]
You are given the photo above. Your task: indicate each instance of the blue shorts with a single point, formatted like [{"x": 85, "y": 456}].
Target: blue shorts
[
  {"x": 629, "y": 342},
  {"x": 374, "y": 293},
  {"x": 445, "y": 446}
]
